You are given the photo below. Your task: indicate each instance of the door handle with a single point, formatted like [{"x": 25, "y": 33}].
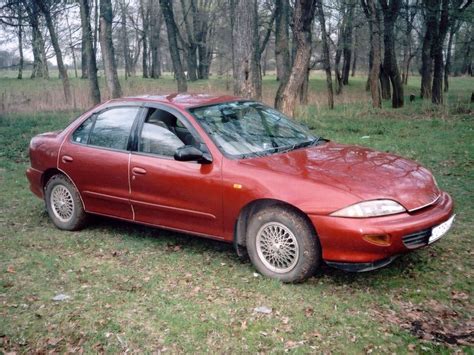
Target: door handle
[
  {"x": 138, "y": 171},
  {"x": 67, "y": 159}
]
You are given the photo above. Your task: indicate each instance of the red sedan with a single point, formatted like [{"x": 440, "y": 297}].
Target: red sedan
[{"x": 238, "y": 171}]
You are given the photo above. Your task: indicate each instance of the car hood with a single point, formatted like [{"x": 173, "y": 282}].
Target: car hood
[{"x": 362, "y": 172}]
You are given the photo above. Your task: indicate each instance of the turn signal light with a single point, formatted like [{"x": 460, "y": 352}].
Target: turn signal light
[{"x": 382, "y": 240}]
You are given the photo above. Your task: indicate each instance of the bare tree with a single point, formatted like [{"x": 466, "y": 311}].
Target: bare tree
[
  {"x": 40, "y": 63},
  {"x": 282, "y": 51},
  {"x": 145, "y": 8},
  {"x": 390, "y": 11},
  {"x": 325, "y": 53},
  {"x": 245, "y": 49},
  {"x": 94, "y": 92},
  {"x": 71, "y": 46},
  {"x": 409, "y": 14},
  {"x": 20, "y": 44},
  {"x": 155, "y": 38},
  {"x": 45, "y": 7},
  {"x": 347, "y": 41},
  {"x": 172, "y": 29},
  {"x": 372, "y": 14},
  {"x": 107, "y": 48},
  {"x": 124, "y": 38},
  {"x": 302, "y": 22}
]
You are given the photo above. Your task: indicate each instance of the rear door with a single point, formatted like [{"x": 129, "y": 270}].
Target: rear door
[
  {"x": 96, "y": 157},
  {"x": 185, "y": 196}
]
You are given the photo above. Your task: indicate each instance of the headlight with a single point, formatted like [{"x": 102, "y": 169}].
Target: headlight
[{"x": 370, "y": 209}]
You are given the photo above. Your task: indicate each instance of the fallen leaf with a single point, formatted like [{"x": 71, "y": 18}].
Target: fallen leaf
[
  {"x": 309, "y": 311},
  {"x": 54, "y": 341},
  {"x": 11, "y": 269},
  {"x": 459, "y": 296}
]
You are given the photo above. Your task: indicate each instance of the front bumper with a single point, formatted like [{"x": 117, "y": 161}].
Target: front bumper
[{"x": 342, "y": 239}]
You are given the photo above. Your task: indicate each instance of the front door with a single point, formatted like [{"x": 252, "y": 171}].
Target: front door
[{"x": 185, "y": 196}]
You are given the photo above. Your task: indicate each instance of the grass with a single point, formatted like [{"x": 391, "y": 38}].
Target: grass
[{"x": 145, "y": 289}]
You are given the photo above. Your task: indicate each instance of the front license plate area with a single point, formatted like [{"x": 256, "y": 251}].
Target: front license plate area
[{"x": 440, "y": 230}]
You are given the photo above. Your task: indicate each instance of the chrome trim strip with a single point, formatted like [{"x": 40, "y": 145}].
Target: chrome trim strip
[
  {"x": 175, "y": 209},
  {"x": 106, "y": 197},
  {"x": 428, "y": 204}
]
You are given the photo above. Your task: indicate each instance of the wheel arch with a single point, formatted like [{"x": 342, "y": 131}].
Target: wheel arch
[
  {"x": 49, "y": 173},
  {"x": 241, "y": 224}
]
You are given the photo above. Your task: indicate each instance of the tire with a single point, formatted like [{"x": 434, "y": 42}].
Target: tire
[
  {"x": 282, "y": 245},
  {"x": 64, "y": 204}
]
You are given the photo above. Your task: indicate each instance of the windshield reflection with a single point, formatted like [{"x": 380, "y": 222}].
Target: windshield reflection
[{"x": 245, "y": 129}]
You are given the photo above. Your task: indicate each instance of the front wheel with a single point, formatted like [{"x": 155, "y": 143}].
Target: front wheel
[
  {"x": 64, "y": 204},
  {"x": 282, "y": 245}
]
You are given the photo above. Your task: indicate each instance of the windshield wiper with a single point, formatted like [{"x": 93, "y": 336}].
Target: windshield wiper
[{"x": 309, "y": 143}]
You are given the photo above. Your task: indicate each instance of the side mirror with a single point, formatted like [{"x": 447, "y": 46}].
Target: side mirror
[{"x": 191, "y": 153}]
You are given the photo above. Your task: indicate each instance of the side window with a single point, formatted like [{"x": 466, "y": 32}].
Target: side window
[
  {"x": 112, "y": 127},
  {"x": 81, "y": 134},
  {"x": 163, "y": 133}
]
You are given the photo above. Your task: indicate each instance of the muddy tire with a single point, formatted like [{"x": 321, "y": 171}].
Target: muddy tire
[
  {"x": 64, "y": 204},
  {"x": 282, "y": 244}
]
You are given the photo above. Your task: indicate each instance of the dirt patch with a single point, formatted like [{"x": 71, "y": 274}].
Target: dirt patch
[{"x": 433, "y": 321}]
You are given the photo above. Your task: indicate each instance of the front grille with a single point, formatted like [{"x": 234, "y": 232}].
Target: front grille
[{"x": 418, "y": 239}]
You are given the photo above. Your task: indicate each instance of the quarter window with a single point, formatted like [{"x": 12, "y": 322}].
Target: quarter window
[
  {"x": 81, "y": 135},
  {"x": 109, "y": 129}
]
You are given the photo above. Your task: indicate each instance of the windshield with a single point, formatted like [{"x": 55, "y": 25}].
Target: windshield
[{"x": 243, "y": 129}]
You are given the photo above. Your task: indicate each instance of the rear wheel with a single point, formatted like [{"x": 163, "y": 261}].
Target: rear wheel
[
  {"x": 64, "y": 204},
  {"x": 282, "y": 245}
]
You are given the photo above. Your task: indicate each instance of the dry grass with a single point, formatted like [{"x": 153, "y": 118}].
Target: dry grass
[{"x": 26, "y": 96}]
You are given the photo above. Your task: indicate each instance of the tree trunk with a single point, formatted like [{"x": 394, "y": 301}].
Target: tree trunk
[
  {"x": 155, "y": 71},
  {"x": 107, "y": 49},
  {"x": 407, "y": 41},
  {"x": 447, "y": 66},
  {"x": 354, "y": 61},
  {"x": 59, "y": 57},
  {"x": 84, "y": 59},
  {"x": 124, "y": 36},
  {"x": 391, "y": 10},
  {"x": 190, "y": 42},
  {"x": 145, "y": 15},
  {"x": 245, "y": 49},
  {"x": 40, "y": 64},
  {"x": 172, "y": 29},
  {"x": 20, "y": 47},
  {"x": 375, "y": 48},
  {"x": 204, "y": 30},
  {"x": 71, "y": 47},
  {"x": 282, "y": 51},
  {"x": 325, "y": 53},
  {"x": 302, "y": 22},
  {"x": 426, "y": 55},
  {"x": 385, "y": 84},
  {"x": 94, "y": 92},
  {"x": 371, "y": 21},
  {"x": 440, "y": 36},
  {"x": 337, "y": 62},
  {"x": 304, "y": 87},
  {"x": 347, "y": 43}
]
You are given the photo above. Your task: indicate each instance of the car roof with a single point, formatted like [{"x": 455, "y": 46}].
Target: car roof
[{"x": 182, "y": 101}]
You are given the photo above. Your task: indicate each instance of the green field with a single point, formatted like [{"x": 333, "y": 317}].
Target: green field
[{"x": 143, "y": 289}]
